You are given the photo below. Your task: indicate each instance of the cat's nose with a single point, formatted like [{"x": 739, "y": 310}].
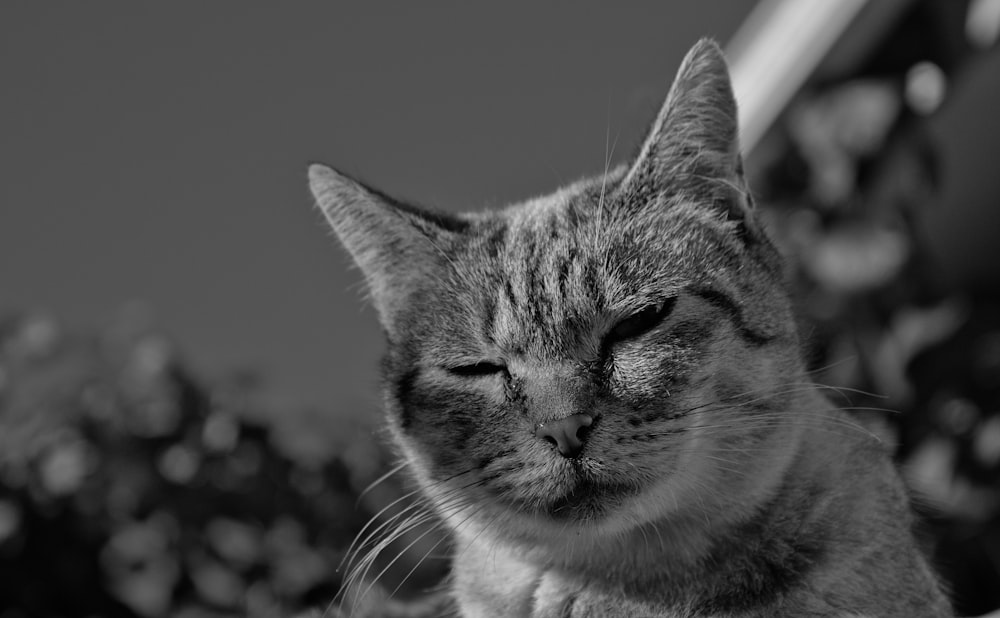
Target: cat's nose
[{"x": 566, "y": 434}]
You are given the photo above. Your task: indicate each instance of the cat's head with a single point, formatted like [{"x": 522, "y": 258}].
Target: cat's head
[{"x": 598, "y": 356}]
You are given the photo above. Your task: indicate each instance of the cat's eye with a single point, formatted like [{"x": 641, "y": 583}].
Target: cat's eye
[
  {"x": 479, "y": 369},
  {"x": 641, "y": 322}
]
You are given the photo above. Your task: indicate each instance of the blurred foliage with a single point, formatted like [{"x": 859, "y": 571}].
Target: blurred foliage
[{"x": 128, "y": 488}]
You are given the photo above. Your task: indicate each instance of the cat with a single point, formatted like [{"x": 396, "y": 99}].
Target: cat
[{"x": 600, "y": 392}]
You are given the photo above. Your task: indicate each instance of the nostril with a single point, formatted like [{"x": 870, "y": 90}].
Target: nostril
[{"x": 566, "y": 434}]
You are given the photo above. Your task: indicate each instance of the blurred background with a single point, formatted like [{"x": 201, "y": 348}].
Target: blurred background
[{"x": 188, "y": 376}]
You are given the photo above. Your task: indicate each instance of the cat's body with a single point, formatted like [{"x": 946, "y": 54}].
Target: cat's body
[{"x": 600, "y": 392}]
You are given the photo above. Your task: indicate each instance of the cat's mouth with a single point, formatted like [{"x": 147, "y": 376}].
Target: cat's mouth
[
  {"x": 577, "y": 490},
  {"x": 580, "y": 498}
]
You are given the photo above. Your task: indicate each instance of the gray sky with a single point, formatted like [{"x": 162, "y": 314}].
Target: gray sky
[{"x": 157, "y": 152}]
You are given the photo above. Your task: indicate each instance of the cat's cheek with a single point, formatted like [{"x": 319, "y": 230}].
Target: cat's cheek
[{"x": 447, "y": 423}]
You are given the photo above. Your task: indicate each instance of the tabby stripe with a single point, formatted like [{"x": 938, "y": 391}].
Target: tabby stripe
[
  {"x": 490, "y": 318},
  {"x": 508, "y": 290},
  {"x": 553, "y": 228},
  {"x": 404, "y": 387},
  {"x": 495, "y": 242},
  {"x": 564, "y": 268},
  {"x": 721, "y": 301},
  {"x": 592, "y": 280},
  {"x": 535, "y": 285}
]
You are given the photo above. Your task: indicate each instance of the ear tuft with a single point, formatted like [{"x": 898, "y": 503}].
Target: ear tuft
[
  {"x": 334, "y": 192},
  {"x": 325, "y": 180},
  {"x": 320, "y": 175}
]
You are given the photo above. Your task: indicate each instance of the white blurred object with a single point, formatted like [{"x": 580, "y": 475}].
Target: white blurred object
[
  {"x": 982, "y": 23},
  {"x": 926, "y": 85},
  {"x": 775, "y": 50},
  {"x": 783, "y": 42}
]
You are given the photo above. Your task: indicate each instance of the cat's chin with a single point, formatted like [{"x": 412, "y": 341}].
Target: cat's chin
[{"x": 588, "y": 501}]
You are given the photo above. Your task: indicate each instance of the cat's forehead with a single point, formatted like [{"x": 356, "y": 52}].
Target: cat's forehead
[
  {"x": 590, "y": 221},
  {"x": 554, "y": 272}
]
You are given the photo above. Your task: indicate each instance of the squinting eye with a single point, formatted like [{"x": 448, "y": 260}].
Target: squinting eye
[
  {"x": 480, "y": 369},
  {"x": 640, "y": 323}
]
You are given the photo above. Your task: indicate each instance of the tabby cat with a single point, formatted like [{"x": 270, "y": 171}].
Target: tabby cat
[{"x": 600, "y": 392}]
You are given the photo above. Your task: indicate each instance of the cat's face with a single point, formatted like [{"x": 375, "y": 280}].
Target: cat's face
[{"x": 584, "y": 358}]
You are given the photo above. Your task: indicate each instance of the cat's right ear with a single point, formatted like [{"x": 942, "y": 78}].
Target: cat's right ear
[
  {"x": 694, "y": 141},
  {"x": 393, "y": 244},
  {"x": 696, "y": 131}
]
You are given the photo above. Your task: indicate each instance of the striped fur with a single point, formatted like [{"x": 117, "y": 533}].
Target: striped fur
[{"x": 714, "y": 481}]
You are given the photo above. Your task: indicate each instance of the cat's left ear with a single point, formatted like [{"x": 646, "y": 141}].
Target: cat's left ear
[
  {"x": 695, "y": 137},
  {"x": 395, "y": 245}
]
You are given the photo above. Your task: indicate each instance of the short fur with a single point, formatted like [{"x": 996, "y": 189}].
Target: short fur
[{"x": 714, "y": 479}]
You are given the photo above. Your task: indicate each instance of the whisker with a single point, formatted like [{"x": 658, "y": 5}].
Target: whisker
[
  {"x": 396, "y": 559},
  {"x": 409, "y": 525},
  {"x": 417, "y": 565},
  {"x": 380, "y": 479},
  {"x": 361, "y": 533},
  {"x": 395, "y": 528}
]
